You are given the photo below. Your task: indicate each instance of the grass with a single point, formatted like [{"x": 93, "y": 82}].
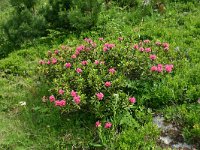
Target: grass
[{"x": 34, "y": 127}]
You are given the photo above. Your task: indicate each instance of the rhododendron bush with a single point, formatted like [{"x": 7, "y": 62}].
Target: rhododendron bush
[{"x": 92, "y": 73}]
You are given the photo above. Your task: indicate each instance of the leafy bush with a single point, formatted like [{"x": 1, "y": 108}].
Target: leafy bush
[{"x": 104, "y": 76}]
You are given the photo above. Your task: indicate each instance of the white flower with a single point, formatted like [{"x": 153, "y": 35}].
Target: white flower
[{"x": 22, "y": 103}]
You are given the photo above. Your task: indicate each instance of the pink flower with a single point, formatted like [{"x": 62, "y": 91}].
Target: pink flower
[
  {"x": 73, "y": 56},
  {"x": 148, "y": 50},
  {"x": 154, "y": 68},
  {"x": 146, "y": 41},
  {"x": 57, "y": 103},
  {"x": 108, "y": 46},
  {"x": 98, "y": 124},
  {"x": 94, "y": 45},
  {"x": 68, "y": 65},
  {"x": 52, "y": 98},
  {"x": 108, "y": 125},
  {"x": 152, "y": 57},
  {"x": 158, "y": 43},
  {"x": 120, "y": 38},
  {"x": 111, "y": 45},
  {"x": 165, "y": 46},
  {"x": 48, "y": 62},
  {"x": 84, "y": 62},
  {"x": 77, "y": 53},
  {"x": 101, "y": 39},
  {"x": 105, "y": 49},
  {"x": 56, "y": 51},
  {"x": 61, "y": 92},
  {"x": 136, "y": 46},
  {"x": 88, "y": 40},
  {"x": 100, "y": 96},
  {"x": 73, "y": 93},
  {"x": 160, "y": 68},
  {"x": 107, "y": 84},
  {"x": 41, "y": 62},
  {"x": 169, "y": 68},
  {"x": 87, "y": 49},
  {"x": 132, "y": 100},
  {"x": 77, "y": 99},
  {"x": 141, "y": 49},
  {"x": 96, "y": 62},
  {"x": 79, "y": 70},
  {"x": 112, "y": 70},
  {"x": 80, "y": 48},
  {"x": 60, "y": 103},
  {"x": 54, "y": 60}
]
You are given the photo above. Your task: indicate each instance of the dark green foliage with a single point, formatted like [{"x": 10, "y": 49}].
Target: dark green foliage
[
  {"x": 84, "y": 14},
  {"x": 56, "y": 13},
  {"x": 23, "y": 4},
  {"x": 129, "y": 3},
  {"x": 23, "y": 24},
  {"x": 72, "y": 14}
]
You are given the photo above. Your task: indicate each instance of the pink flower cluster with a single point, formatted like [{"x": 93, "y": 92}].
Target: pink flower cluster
[
  {"x": 169, "y": 68},
  {"x": 68, "y": 65},
  {"x": 108, "y": 46},
  {"x": 52, "y": 98},
  {"x": 107, "y": 124},
  {"x": 54, "y": 61},
  {"x": 132, "y": 100},
  {"x": 84, "y": 62},
  {"x": 76, "y": 97},
  {"x": 41, "y": 62},
  {"x": 79, "y": 70},
  {"x": 60, "y": 103},
  {"x": 152, "y": 57},
  {"x": 100, "y": 96},
  {"x": 56, "y": 52},
  {"x": 158, "y": 43},
  {"x": 112, "y": 70},
  {"x": 89, "y": 41},
  {"x": 96, "y": 62},
  {"x": 136, "y": 46},
  {"x": 165, "y": 46},
  {"x": 107, "y": 84},
  {"x": 61, "y": 92},
  {"x": 147, "y": 41},
  {"x": 159, "y": 68},
  {"x": 101, "y": 39}
]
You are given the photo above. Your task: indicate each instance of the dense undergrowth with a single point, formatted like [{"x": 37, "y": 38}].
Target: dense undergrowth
[{"x": 30, "y": 121}]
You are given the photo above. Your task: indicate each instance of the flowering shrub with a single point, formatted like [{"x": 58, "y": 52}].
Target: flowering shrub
[{"x": 92, "y": 74}]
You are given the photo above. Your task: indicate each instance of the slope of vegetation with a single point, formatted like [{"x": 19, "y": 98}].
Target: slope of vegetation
[{"x": 30, "y": 121}]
